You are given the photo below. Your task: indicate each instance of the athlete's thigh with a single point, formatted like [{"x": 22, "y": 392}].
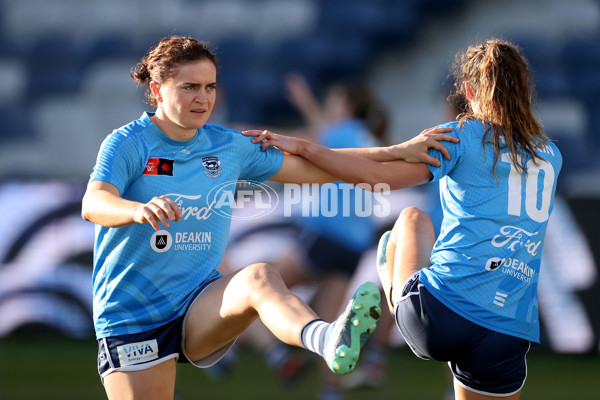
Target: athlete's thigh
[
  {"x": 410, "y": 245},
  {"x": 219, "y": 314},
  {"x": 155, "y": 383},
  {"x": 462, "y": 393}
]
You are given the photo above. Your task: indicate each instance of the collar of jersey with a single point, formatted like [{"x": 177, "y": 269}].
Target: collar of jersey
[{"x": 151, "y": 127}]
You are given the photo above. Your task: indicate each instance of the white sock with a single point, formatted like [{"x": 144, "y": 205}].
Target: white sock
[{"x": 315, "y": 334}]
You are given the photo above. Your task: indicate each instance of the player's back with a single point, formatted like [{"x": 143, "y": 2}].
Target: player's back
[{"x": 485, "y": 263}]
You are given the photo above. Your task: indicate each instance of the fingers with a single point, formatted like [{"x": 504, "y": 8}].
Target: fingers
[
  {"x": 263, "y": 136},
  {"x": 438, "y": 146},
  {"x": 252, "y": 132},
  {"x": 437, "y": 130},
  {"x": 175, "y": 213},
  {"x": 158, "y": 215},
  {"x": 432, "y": 161},
  {"x": 258, "y": 135},
  {"x": 150, "y": 218},
  {"x": 440, "y": 129},
  {"x": 160, "y": 210},
  {"x": 266, "y": 144},
  {"x": 441, "y": 137},
  {"x": 434, "y": 138}
]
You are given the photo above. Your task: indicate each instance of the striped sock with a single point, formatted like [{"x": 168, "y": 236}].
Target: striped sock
[{"x": 315, "y": 334}]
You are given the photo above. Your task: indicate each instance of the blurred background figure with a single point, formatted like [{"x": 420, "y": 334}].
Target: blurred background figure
[
  {"x": 329, "y": 247},
  {"x": 333, "y": 224}
]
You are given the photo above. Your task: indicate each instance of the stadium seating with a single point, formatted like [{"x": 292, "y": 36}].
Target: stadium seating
[{"x": 85, "y": 49}]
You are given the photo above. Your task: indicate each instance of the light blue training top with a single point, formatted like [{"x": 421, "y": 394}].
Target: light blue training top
[
  {"x": 144, "y": 278},
  {"x": 486, "y": 260}
]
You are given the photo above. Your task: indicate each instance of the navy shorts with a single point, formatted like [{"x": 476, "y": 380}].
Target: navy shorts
[
  {"x": 326, "y": 256},
  {"x": 482, "y": 360},
  {"x": 138, "y": 351}
]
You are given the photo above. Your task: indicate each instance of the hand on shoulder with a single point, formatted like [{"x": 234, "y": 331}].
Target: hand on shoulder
[{"x": 415, "y": 149}]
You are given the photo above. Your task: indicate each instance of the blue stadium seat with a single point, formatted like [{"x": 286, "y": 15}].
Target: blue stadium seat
[
  {"x": 302, "y": 54},
  {"x": 382, "y": 22},
  {"x": 350, "y": 54},
  {"x": 577, "y": 154},
  {"x": 245, "y": 89},
  {"x": 322, "y": 55},
  {"x": 548, "y": 72},
  {"x": 16, "y": 123},
  {"x": 351, "y": 16},
  {"x": 593, "y": 133},
  {"x": 581, "y": 58},
  {"x": 112, "y": 45},
  {"x": 401, "y": 20},
  {"x": 437, "y": 6},
  {"x": 7, "y": 46},
  {"x": 56, "y": 66}
]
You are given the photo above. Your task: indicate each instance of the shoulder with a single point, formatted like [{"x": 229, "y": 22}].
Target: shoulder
[
  {"x": 553, "y": 149},
  {"x": 470, "y": 128},
  {"x": 216, "y": 129},
  {"x": 551, "y": 153},
  {"x": 220, "y": 134},
  {"x": 230, "y": 137},
  {"x": 133, "y": 130},
  {"x": 128, "y": 138}
]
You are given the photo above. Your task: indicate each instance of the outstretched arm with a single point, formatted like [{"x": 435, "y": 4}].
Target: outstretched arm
[
  {"x": 413, "y": 150},
  {"x": 354, "y": 169},
  {"x": 368, "y": 165},
  {"x": 296, "y": 169}
]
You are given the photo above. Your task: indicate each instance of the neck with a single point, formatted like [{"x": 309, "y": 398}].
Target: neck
[{"x": 170, "y": 128}]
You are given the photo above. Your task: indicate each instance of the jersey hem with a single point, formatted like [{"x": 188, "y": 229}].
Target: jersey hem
[{"x": 468, "y": 317}]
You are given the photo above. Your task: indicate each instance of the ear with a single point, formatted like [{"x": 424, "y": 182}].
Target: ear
[
  {"x": 155, "y": 89},
  {"x": 468, "y": 91}
]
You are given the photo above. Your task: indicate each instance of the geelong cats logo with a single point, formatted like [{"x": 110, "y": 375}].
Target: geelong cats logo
[{"x": 212, "y": 166}]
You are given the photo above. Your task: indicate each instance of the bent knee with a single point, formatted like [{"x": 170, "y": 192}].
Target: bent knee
[
  {"x": 412, "y": 216},
  {"x": 261, "y": 274},
  {"x": 413, "y": 213},
  {"x": 416, "y": 223}
]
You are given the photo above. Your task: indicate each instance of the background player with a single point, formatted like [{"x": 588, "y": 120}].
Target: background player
[{"x": 328, "y": 248}]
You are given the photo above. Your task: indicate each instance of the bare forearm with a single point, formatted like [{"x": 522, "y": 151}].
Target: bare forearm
[
  {"x": 107, "y": 209},
  {"x": 398, "y": 166},
  {"x": 296, "y": 169},
  {"x": 379, "y": 154},
  {"x": 354, "y": 169}
]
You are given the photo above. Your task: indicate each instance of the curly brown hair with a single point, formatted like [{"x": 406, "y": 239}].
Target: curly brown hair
[
  {"x": 161, "y": 62},
  {"x": 500, "y": 82}
]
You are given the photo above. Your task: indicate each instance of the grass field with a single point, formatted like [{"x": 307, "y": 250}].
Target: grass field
[{"x": 53, "y": 368}]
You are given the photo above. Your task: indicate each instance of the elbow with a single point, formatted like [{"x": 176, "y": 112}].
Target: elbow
[
  {"x": 372, "y": 185},
  {"x": 85, "y": 210},
  {"x": 85, "y": 215}
]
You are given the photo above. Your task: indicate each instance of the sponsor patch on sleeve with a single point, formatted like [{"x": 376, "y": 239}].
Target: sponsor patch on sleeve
[{"x": 159, "y": 166}]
